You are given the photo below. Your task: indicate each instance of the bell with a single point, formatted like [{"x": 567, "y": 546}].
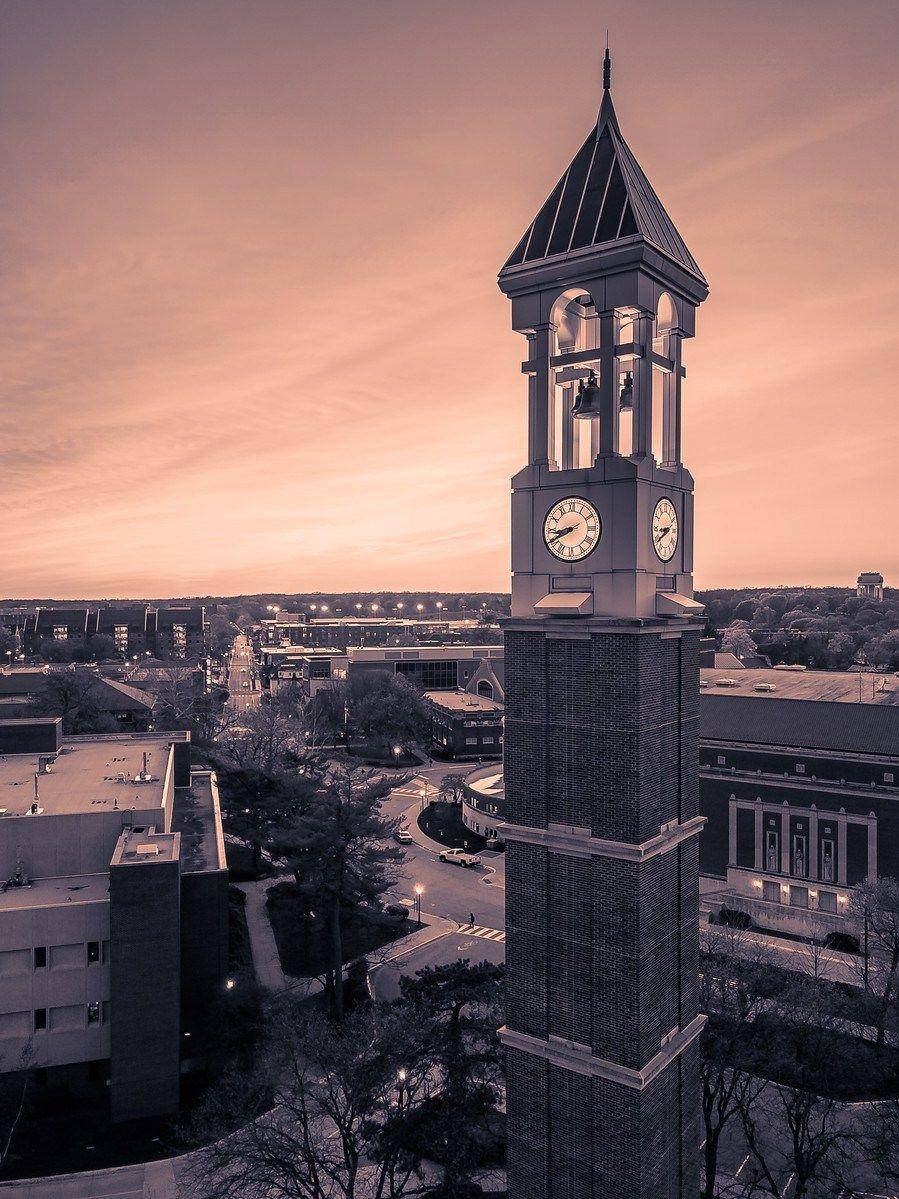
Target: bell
[
  {"x": 626, "y": 399},
  {"x": 586, "y": 404}
]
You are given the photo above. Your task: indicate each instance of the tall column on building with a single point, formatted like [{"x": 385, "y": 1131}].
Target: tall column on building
[{"x": 602, "y": 702}]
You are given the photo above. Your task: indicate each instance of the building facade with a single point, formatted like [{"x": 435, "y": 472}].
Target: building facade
[
  {"x": 113, "y": 912},
  {"x": 465, "y": 725},
  {"x": 171, "y": 634},
  {"x": 602, "y": 699},
  {"x": 870, "y": 585}
]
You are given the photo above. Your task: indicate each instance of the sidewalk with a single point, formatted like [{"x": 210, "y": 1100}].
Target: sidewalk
[
  {"x": 266, "y": 960},
  {"x": 409, "y": 820}
]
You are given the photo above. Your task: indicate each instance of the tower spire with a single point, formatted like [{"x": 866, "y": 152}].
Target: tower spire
[{"x": 607, "y": 67}]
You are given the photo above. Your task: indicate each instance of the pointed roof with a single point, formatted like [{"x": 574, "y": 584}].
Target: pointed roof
[{"x": 604, "y": 196}]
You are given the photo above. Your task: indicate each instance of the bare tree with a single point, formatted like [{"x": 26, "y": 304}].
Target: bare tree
[
  {"x": 874, "y": 908},
  {"x": 735, "y": 985},
  {"x": 15, "y": 1089},
  {"x": 317, "y": 1103}
]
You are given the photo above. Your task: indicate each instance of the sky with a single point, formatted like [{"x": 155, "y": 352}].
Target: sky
[{"x": 250, "y": 334}]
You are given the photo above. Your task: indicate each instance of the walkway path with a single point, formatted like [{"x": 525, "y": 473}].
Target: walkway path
[{"x": 266, "y": 960}]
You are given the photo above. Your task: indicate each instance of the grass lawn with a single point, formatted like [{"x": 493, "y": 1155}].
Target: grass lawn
[
  {"x": 303, "y": 942},
  {"x": 443, "y": 822}
]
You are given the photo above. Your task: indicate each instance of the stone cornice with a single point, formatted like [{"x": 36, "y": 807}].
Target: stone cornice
[
  {"x": 579, "y": 1058},
  {"x": 577, "y": 842}
]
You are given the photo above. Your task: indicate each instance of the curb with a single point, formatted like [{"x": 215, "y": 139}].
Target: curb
[{"x": 409, "y": 820}]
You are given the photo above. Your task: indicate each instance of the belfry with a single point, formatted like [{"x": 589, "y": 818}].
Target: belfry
[{"x": 602, "y": 698}]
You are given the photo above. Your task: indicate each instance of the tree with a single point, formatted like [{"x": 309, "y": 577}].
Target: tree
[
  {"x": 734, "y": 988},
  {"x": 8, "y": 646},
  {"x": 316, "y": 1106},
  {"x": 736, "y": 640},
  {"x": 453, "y": 785},
  {"x": 220, "y": 634},
  {"x": 386, "y": 709},
  {"x": 874, "y": 907},
  {"x": 338, "y": 850},
  {"x": 76, "y": 696},
  {"x": 458, "y": 1008},
  {"x": 15, "y": 1093}
]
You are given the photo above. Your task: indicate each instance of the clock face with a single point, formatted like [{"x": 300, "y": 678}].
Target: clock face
[
  {"x": 664, "y": 530},
  {"x": 572, "y": 529}
]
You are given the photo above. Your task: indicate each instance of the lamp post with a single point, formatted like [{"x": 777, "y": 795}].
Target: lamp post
[
  {"x": 400, "y": 1087},
  {"x": 397, "y": 751},
  {"x": 419, "y": 889}
]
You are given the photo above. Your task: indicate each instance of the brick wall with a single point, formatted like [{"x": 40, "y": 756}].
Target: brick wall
[{"x": 602, "y": 734}]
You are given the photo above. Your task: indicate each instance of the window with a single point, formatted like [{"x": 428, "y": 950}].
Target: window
[
  {"x": 120, "y": 635},
  {"x": 60, "y": 632},
  {"x": 888, "y": 777},
  {"x": 800, "y": 768},
  {"x": 489, "y": 740},
  {"x": 430, "y": 676},
  {"x": 471, "y": 740},
  {"x": 799, "y": 897},
  {"x": 93, "y": 952},
  {"x": 721, "y": 759},
  {"x": 827, "y": 901},
  {"x": 40, "y": 957},
  {"x": 93, "y": 1012},
  {"x": 771, "y": 891},
  {"x": 40, "y": 1019}
]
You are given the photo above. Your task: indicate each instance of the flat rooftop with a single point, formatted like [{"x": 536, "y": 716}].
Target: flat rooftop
[
  {"x": 83, "y": 777},
  {"x": 196, "y": 816},
  {"x": 842, "y": 686},
  {"x": 139, "y": 846},
  {"x": 423, "y": 653},
  {"x": 56, "y": 892},
  {"x": 464, "y": 701}
]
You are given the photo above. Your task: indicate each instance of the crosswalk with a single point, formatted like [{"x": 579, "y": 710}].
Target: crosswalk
[{"x": 486, "y": 934}]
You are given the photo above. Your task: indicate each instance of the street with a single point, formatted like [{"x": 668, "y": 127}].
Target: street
[{"x": 243, "y": 679}]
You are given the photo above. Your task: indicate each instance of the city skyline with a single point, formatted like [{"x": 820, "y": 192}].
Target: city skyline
[{"x": 251, "y": 339}]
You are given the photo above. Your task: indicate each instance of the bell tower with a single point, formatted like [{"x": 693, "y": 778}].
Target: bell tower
[{"x": 602, "y": 698}]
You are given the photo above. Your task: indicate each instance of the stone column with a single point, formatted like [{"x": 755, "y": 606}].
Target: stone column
[
  {"x": 813, "y": 843},
  {"x": 841, "y": 849},
  {"x": 608, "y": 385},
  {"x": 671, "y": 424},
  {"x": 642, "y": 370},
  {"x": 541, "y": 433},
  {"x": 759, "y": 837},
  {"x": 785, "y": 841},
  {"x": 732, "y": 831}
]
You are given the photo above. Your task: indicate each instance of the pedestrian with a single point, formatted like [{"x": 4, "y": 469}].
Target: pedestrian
[{"x": 471, "y": 919}]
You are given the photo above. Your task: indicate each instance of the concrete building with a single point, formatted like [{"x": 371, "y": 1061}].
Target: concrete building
[
  {"x": 127, "y": 626},
  {"x": 870, "y": 585},
  {"x": 113, "y": 915},
  {"x": 465, "y": 725},
  {"x": 179, "y": 633},
  {"x": 602, "y": 697},
  {"x": 478, "y": 668}
]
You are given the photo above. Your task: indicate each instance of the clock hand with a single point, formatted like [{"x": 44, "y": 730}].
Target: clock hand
[
  {"x": 561, "y": 532},
  {"x": 664, "y": 532}
]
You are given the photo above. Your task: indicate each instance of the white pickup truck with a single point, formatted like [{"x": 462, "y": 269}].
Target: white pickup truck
[{"x": 461, "y": 857}]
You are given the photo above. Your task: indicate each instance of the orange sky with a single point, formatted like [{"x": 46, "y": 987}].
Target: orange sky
[{"x": 250, "y": 336}]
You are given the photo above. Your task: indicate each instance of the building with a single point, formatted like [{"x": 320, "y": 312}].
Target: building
[
  {"x": 25, "y": 690},
  {"x": 179, "y": 633},
  {"x": 802, "y": 802},
  {"x": 602, "y": 697},
  {"x": 343, "y": 632},
  {"x": 476, "y": 668},
  {"x": 465, "y": 724},
  {"x": 168, "y": 633},
  {"x": 114, "y": 913},
  {"x": 870, "y": 585},
  {"x": 310, "y": 670},
  {"x": 126, "y": 626}
]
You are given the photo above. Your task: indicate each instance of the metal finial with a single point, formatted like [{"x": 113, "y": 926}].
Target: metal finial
[{"x": 607, "y": 67}]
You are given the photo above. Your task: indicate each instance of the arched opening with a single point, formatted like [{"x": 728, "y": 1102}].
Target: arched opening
[
  {"x": 666, "y": 383},
  {"x": 485, "y": 688},
  {"x": 572, "y": 442}
]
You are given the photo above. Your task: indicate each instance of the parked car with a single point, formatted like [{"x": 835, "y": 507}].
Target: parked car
[
  {"x": 461, "y": 857},
  {"x": 726, "y": 683},
  {"x": 403, "y": 836},
  {"x": 765, "y": 687}
]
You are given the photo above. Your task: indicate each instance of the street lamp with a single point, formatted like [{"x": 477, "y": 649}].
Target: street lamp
[
  {"x": 397, "y": 750},
  {"x": 419, "y": 890},
  {"x": 439, "y": 605},
  {"x": 400, "y": 1087},
  {"x": 375, "y": 607},
  {"x": 419, "y": 607}
]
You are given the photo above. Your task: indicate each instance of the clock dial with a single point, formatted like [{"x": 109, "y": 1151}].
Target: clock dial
[
  {"x": 664, "y": 530},
  {"x": 572, "y": 529}
]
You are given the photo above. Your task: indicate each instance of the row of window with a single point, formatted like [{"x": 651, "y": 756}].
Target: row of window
[
  {"x": 55, "y": 1019},
  {"x": 53, "y": 957},
  {"x": 888, "y": 775},
  {"x": 799, "y": 896}
]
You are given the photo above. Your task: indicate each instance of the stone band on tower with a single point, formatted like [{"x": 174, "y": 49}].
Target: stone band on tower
[{"x": 602, "y": 695}]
